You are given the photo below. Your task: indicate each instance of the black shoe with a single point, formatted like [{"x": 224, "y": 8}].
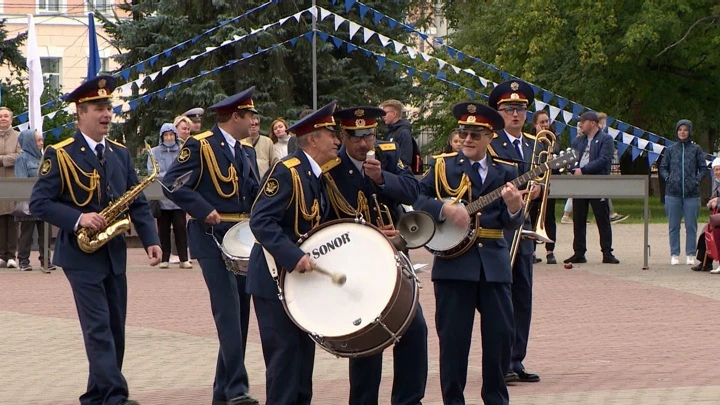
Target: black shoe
[
  {"x": 243, "y": 399},
  {"x": 551, "y": 259},
  {"x": 511, "y": 377},
  {"x": 575, "y": 259},
  {"x": 610, "y": 259},
  {"x": 524, "y": 376},
  {"x": 702, "y": 267},
  {"x": 536, "y": 260}
]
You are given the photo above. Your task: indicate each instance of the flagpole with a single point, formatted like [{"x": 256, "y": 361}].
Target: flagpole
[
  {"x": 36, "y": 84},
  {"x": 314, "y": 56}
]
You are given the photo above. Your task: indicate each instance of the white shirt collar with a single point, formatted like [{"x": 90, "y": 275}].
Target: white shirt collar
[
  {"x": 358, "y": 164},
  {"x": 511, "y": 138},
  {"x": 317, "y": 171},
  {"x": 92, "y": 143},
  {"x": 229, "y": 139},
  {"x": 483, "y": 162}
]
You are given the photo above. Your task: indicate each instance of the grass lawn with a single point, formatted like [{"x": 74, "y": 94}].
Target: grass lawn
[{"x": 634, "y": 208}]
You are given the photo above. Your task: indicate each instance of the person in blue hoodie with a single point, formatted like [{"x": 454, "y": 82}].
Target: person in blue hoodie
[
  {"x": 170, "y": 214},
  {"x": 27, "y": 165},
  {"x": 683, "y": 167}
]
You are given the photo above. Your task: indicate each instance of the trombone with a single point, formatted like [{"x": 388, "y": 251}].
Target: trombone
[{"x": 539, "y": 157}]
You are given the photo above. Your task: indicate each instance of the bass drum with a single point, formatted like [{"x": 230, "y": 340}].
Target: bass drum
[{"x": 374, "y": 307}]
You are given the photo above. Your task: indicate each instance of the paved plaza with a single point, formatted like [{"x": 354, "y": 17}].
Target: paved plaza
[{"x": 601, "y": 334}]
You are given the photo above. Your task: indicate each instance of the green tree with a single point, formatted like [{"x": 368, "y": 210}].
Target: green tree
[
  {"x": 646, "y": 63},
  {"x": 283, "y": 76}
]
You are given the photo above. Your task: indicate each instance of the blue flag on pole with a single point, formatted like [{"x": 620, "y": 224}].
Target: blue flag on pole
[{"x": 94, "y": 54}]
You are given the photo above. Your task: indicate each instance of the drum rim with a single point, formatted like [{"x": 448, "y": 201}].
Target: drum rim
[{"x": 386, "y": 309}]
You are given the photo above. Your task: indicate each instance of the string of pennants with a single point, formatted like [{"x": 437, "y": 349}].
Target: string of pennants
[
  {"x": 131, "y": 105},
  {"x": 625, "y": 135},
  {"x": 150, "y": 62}
]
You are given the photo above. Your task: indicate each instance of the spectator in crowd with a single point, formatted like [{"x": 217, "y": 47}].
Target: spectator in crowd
[
  {"x": 541, "y": 122},
  {"x": 26, "y": 165},
  {"x": 454, "y": 143},
  {"x": 170, "y": 216},
  {"x": 264, "y": 148},
  {"x": 9, "y": 151},
  {"x": 399, "y": 130},
  {"x": 682, "y": 168},
  {"x": 706, "y": 261},
  {"x": 595, "y": 149},
  {"x": 183, "y": 126},
  {"x": 280, "y": 137}
]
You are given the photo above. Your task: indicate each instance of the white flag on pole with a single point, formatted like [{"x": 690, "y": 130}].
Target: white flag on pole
[{"x": 35, "y": 80}]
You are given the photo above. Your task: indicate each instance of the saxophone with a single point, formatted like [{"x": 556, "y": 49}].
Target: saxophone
[{"x": 90, "y": 240}]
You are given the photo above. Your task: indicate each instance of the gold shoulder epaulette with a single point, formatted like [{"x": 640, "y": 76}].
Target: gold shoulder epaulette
[
  {"x": 203, "y": 135},
  {"x": 492, "y": 151},
  {"x": 495, "y": 135},
  {"x": 292, "y": 162},
  {"x": 116, "y": 143},
  {"x": 63, "y": 144},
  {"x": 533, "y": 137},
  {"x": 387, "y": 146},
  {"x": 330, "y": 165},
  {"x": 445, "y": 155},
  {"x": 505, "y": 162}
]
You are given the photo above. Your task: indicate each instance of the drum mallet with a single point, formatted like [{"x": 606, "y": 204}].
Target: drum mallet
[{"x": 337, "y": 278}]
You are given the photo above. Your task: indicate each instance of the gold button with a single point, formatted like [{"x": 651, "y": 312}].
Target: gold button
[
  {"x": 480, "y": 244},
  {"x": 108, "y": 187}
]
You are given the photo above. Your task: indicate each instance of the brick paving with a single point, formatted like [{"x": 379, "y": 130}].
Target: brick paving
[{"x": 602, "y": 334}]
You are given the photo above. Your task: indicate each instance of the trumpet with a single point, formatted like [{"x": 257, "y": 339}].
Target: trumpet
[{"x": 539, "y": 157}]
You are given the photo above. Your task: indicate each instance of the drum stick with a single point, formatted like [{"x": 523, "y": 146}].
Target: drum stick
[{"x": 337, "y": 278}]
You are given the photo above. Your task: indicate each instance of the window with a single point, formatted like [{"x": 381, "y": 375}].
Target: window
[
  {"x": 51, "y": 71},
  {"x": 98, "y": 5},
  {"x": 52, "y": 6}
]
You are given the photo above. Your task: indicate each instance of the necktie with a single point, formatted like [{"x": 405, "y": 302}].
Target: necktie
[
  {"x": 99, "y": 152},
  {"x": 521, "y": 166},
  {"x": 238, "y": 152},
  {"x": 476, "y": 168}
]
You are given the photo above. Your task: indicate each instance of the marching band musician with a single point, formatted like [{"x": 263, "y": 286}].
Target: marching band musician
[
  {"x": 219, "y": 193},
  {"x": 292, "y": 202},
  {"x": 78, "y": 178},
  {"x": 356, "y": 178},
  {"x": 511, "y": 99},
  {"x": 478, "y": 279}
]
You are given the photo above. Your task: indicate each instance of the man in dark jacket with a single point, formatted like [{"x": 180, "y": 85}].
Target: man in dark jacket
[
  {"x": 399, "y": 131},
  {"x": 595, "y": 149},
  {"x": 683, "y": 167}
]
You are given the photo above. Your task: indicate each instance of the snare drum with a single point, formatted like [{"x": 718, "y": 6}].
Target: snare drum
[
  {"x": 236, "y": 246},
  {"x": 371, "y": 310}
]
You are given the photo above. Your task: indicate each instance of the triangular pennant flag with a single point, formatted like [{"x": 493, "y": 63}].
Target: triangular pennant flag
[
  {"x": 117, "y": 109},
  {"x": 469, "y": 71},
  {"x": 338, "y": 20},
  {"x": 539, "y": 105},
  {"x": 455, "y": 69},
  {"x": 312, "y": 11},
  {"x": 168, "y": 52},
  {"x": 652, "y": 158},
  {"x": 635, "y": 152},
  {"x": 56, "y": 131},
  {"x": 353, "y": 28},
  {"x": 377, "y": 17},
  {"x": 505, "y": 76},
  {"x": 132, "y": 104},
  {"x": 161, "y": 93},
  {"x": 363, "y": 9},
  {"x": 281, "y": 21},
  {"x": 350, "y": 47},
  {"x": 125, "y": 74},
  {"x": 470, "y": 93},
  {"x": 197, "y": 38},
  {"x": 412, "y": 52},
  {"x": 441, "y": 75},
  {"x": 609, "y": 121},
  {"x": 53, "y": 114},
  {"x": 323, "y": 36},
  {"x": 613, "y": 132},
  {"x": 426, "y": 75},
  {"x": 380, "y": 61},
  {"x": 573, "y": 133},
  {"x": 383, "y": 40},
  {"x": 483, "y": 81},
  {"x": 554, "y": 111},
  {"x": 392, "y": 23},
  {"x": 657, "y": 148},
  {"x": 622, "y": 126},
  {"x": 324, "y": 13},
  {"x": 547, "y": 96},
  {"x": 337, "y": 42},
  {"x": 441, "y": 63},
  {"x": 536, "y": 89},
  {"x": 182, "y": 63},
  {"x": 653, "y": 137},
  {"x": 460, "y": 56},
  {"x": 559, "y": 127},
  {"x": 394, "y": 64},
  {"x": 425, "y": 56},
  {"x": 348, "y": 5},
  {"x": 367, "y": 34},
  {"x": 567, "y": 116},
  {"x": 451, "y": 51},
  {"x": 576, "y": 109},
  {"x": 297, "y": 16},
  {"x": 293, "y": 42},
  {"x": 621, "y": 148},
  {"x": 638, "y": 132},
  {"x": 627, "y": 138},
  {"x": 24, "y": 126},
  {"x": 642, "y": 143},
  {"x": 154, "y": 76},
  {"x": 562, "y": 102},
  {"x": 307, "y": 35},
  {"x": 398, "y": 46}
]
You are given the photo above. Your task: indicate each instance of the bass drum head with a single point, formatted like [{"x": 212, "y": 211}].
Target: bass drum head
[
  {"x": 365, "y": 257},
  {"x": 239, "y": 240}
]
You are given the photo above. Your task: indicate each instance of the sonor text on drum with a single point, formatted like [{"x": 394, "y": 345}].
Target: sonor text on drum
[{"x": 331, "y": 245}]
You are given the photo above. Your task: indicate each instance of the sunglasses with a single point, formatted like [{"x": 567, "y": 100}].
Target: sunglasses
[{"x": 476, "y": 136}]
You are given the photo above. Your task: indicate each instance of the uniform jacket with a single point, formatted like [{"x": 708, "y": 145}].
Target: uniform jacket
[
  {"x": 502, "y": 147},
  {"x": 274, "y": 222},
  {"x": 400, "y": 186},
  {"x": 52, "y": 202},
  {"x": 208, "y": 190},
  {"x": 488, "y": 256}
]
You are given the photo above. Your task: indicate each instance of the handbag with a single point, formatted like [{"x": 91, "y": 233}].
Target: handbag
[
  {"x": 21, "y": 209},
  {"x": 155, "y": 208}
]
